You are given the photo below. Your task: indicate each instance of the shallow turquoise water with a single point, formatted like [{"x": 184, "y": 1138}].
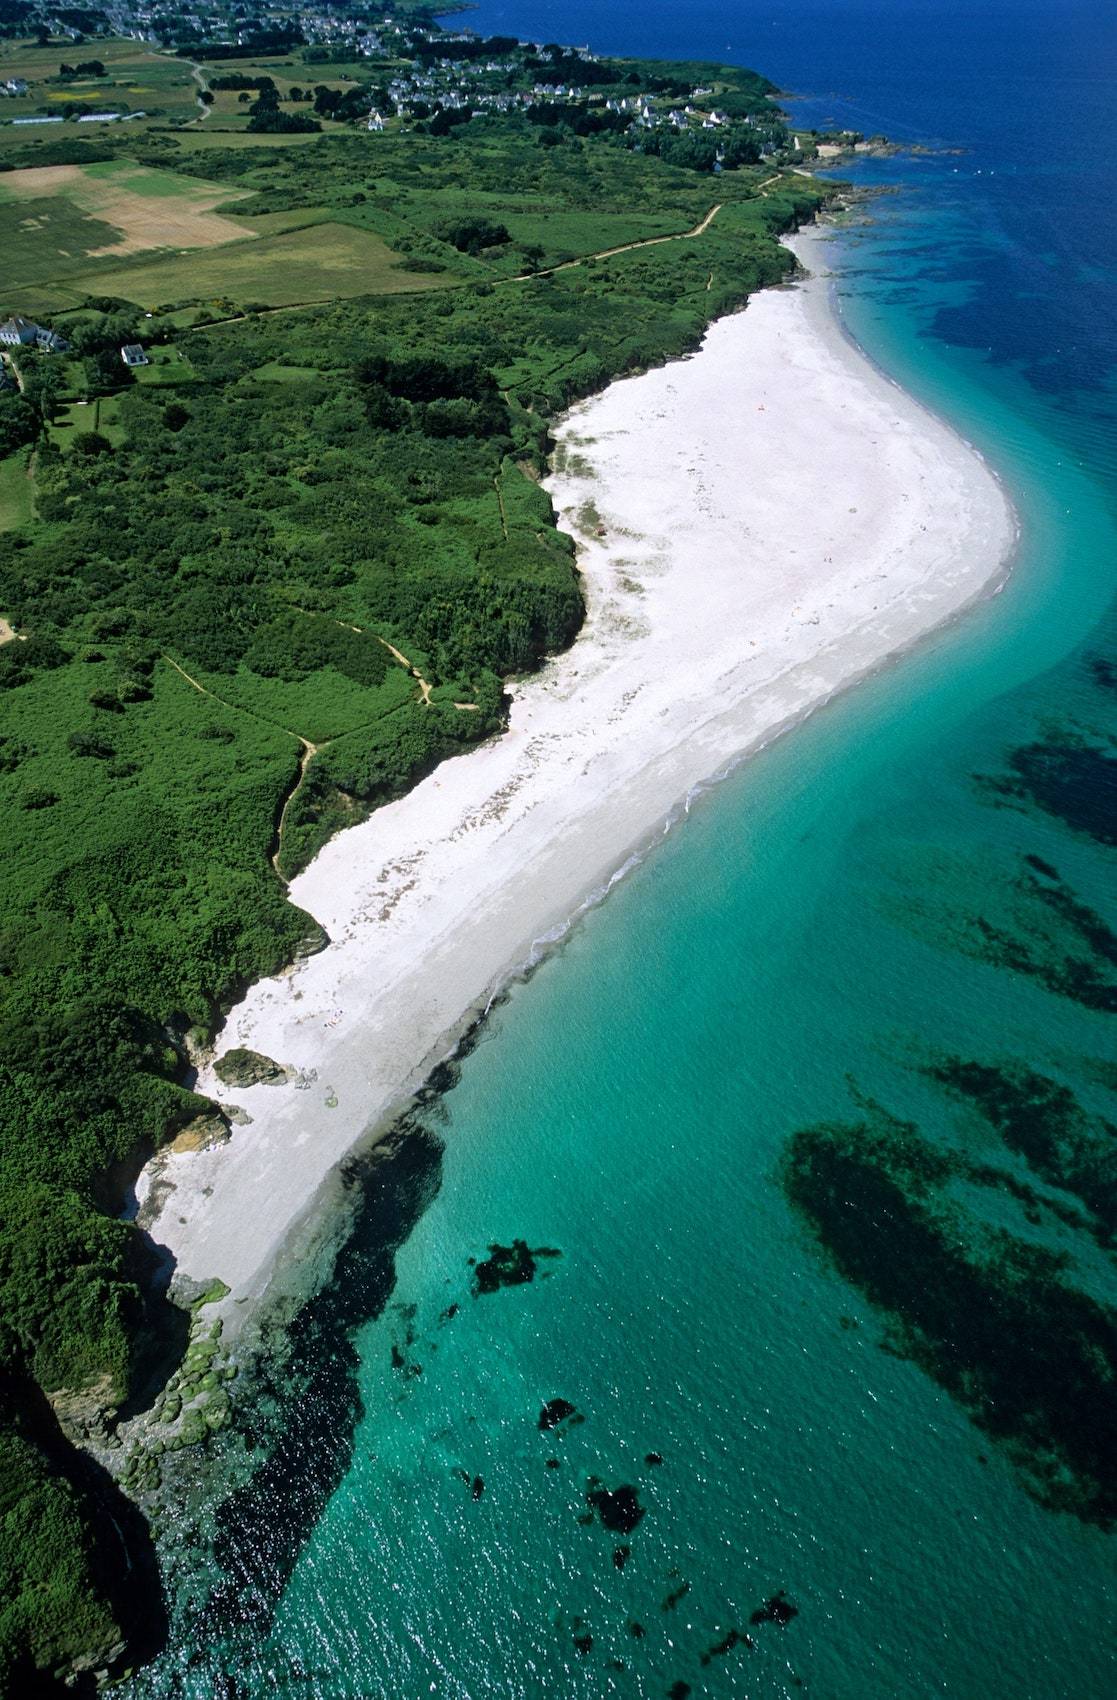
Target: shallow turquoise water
[{"x": 808, "y": 935}]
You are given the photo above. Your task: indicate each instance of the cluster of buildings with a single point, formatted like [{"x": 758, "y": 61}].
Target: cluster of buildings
[
  {"x": 416, "y": 81},
  {"x": 18, "y": 332}
]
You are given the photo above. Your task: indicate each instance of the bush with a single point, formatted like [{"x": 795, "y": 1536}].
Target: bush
[
  {"x": 90, "y": 744},
  {"x": 472, "y": 235}
]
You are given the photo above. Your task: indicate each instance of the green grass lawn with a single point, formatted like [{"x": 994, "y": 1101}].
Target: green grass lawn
[
  {"x": 168, "y": 367},
  {"x": 78, "y": 417}
]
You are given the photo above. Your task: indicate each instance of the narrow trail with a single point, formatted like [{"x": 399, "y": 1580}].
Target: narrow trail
[
  {"x": 307, "y": 751},
  {"x": 424, "y": 688},
  {"x": 306, "y": 756},
  {"x": 500, "y": 504},
  {"x": 623, "y": 248},
  {"x": 199, "y": 77},
  {"x": 397, "y": 654}
]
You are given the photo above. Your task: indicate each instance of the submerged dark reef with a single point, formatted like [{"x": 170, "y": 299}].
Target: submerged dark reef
[
  {"x": 989, "y": 1315},
  {"x": 1042, "y": 1121},
  {"x": 1071, "y": 778},
  {"x": 1031, "y": 922}
]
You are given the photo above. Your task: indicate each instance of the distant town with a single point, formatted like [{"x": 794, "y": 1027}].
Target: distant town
[{"x": 397, "y": 70}]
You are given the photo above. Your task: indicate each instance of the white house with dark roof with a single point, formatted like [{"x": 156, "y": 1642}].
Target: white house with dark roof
[{"x": 18, "y": 332}]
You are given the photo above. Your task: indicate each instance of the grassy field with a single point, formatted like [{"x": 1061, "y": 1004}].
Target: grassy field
[
  {"x": 206, "y": 137},
  {"x": 77, "y": 417},
  {"x": 138, "y": 78},
  {"x": 17, "y": 492},
  {"x": 60, "y": 217},
  {"x": 323, "y": 262}
]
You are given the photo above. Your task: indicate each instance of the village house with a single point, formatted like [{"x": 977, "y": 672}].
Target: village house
[
  {"x": 18, "y": 332},
  {"x": 133, "y": 355}
]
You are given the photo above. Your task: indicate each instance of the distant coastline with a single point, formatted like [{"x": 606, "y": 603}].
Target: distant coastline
[{"x": 733, "y": 586}]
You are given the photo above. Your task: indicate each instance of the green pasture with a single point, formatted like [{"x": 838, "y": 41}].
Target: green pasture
[
  {"x": 320, "y": 263},
  {"x": 47, "y": 239},
  {"x": 54, "y": 238},
  {"x": 207, "y": 137}
]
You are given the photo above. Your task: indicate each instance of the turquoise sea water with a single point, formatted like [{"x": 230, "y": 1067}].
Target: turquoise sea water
[{"x": 848, "y": 907}]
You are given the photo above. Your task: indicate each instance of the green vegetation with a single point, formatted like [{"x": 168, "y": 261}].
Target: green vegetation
[
  {"x": 52, "y": 1601},
  {"x": 257, "y": 579}
]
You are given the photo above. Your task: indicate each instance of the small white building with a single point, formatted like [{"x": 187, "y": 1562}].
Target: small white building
[{"x": 133, "y": 355}]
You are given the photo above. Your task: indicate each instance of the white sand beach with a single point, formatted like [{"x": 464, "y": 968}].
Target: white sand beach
[{"x": 775, "y": 519}]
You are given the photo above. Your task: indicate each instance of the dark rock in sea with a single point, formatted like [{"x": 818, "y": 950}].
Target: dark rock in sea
[
  {"x": 556, "y": 1411},
  {"x": 672, "y": 1599},
  {"x": 653, "y": 1458},
  {"x": 620, "y": 1556},
  {"x": 242, "y": 1067},
  {"x": 678, "y": 1691},
  {"x": 586, "y": 1518},
  {"x": 726, "y": 1645},
  {"x": 778, "y": 1609},
  {"x": 552, "y": 1464},
  {"x": 508, "y": 1266},
  {"x": 398, "y": 1359},
  {"x": 619, "y": 1508},
  {"x": 636, "y": 1630},
  {"x": 582, "y": 1644},
  {"x": 449, "y": 1313},
  {"x": 478, "y": 1486}
]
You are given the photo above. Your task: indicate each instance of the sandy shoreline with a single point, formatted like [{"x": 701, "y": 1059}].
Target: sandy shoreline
[{"x": 770, "y": 520}]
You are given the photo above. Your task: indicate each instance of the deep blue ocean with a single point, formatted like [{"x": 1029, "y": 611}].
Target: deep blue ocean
[{"x": 897, "y": 926}]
